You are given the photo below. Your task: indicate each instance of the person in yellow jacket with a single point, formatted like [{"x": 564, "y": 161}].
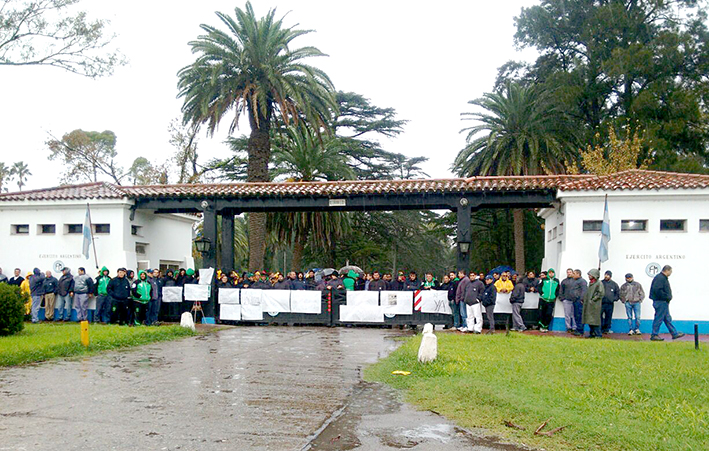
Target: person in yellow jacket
[
  {"x": 25, "y": 290},
  {"x": 503, "y": 284}
]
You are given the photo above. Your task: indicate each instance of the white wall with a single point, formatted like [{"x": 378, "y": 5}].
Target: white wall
[
  {"x": 630, "y": 252},
  {"x": 169, "y": 236}
]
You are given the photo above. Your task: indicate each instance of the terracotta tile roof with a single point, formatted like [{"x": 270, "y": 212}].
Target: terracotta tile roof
[
  {"x": 626, "y": 180},
  {"x": 96, "y": 190}
]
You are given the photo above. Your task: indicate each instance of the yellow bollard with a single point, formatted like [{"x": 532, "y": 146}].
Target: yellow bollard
[{"x": 85, "y": 333}]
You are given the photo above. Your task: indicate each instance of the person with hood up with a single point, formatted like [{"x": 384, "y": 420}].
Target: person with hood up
[
  {"x": 472, "y": 294},
  {"x": 189, "y": 276},
  {"x": 141, "y": 292},
  {"x": 180, "y": 277},
  {"x": 296, "y": 281},
  {"x": 36, "y": 281},
  {"x": 592, "y": 303},
  {"x": 335, "y": 283},
  {"x": 412, "y": 283},
  {"x": 103, "y": 304},
  {"x": 130, "y": 275},
  {"x": 83, "y": 288},
  {"x": 156, "y": 284},
  {"x": 65, "y": 289},
  {"x": 377, "y": 283},
  {"x": 612, "y": 294},
  {"x": 429, "y": 282},
  {"x": 49, "y": 287},
  {"x": 504, "y": 284},
  {"x": 516, "y": 301},
  {"x": 349, "y": 280},
  {"x": 632, "y": 295},
  {"x": 25, "y": 289},
  {"x": 548, "y": 292},
  {"x": 118, "y": 290},
  {"x": 169, "y": 279}
]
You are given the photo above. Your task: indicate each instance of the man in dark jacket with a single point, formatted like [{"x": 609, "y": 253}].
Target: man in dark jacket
[
  {"x": 36, "y": 291},
  {"x": 17, "y": 279},
  {"x": 413, "y": 283},
  {"x": 103, "y": 304},
  {"x": 463, "y": 281},
  {"x": 119, "y": 292},
  {"x": 377, "y": 283},
  {"x": 517, "y": 300},
  {"x": 592, "y": 302},
  {"x": 661, "y": 295},
  {"x": 156, "y": 284},
  {"x": 49, "y": 287},
  {"x": 400, "y": 283},
  {"x": 565, "y": 296},
  {"x": 611, "y": 294},
  {"x": 488, "y": 299},
  {"x": 578, "y": 290},
  {"x": 64, "y": 295}
]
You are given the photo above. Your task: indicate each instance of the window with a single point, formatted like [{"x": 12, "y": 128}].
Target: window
[
  {"x": 704, "y": 225},
  {"x": 102, "y": 228},
  {"x": 73, "y": 229},
  {"x": 561, "y": 229},
  {"x": 136, "y": 230},
  {"x": 20, "y": 229},
  {"x": 633, "y": 225},
  {"x": 46, "y": 229},
  {"x": 549, "y": 238},
  {"x": 592, "y": 226},
  {"x": 553, "y": 233},
  {"x": 140, "y": 248},
  {"x": 672, "y": 225}
]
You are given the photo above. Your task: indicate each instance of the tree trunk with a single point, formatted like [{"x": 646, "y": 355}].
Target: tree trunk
[
  {"x": 518, "y": 218},
  {"x": 259, "y": 149},
  {"x": 298, "y": 248}
]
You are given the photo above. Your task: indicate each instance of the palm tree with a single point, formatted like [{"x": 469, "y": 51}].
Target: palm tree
[
  {"x": 519, "y": 132},
  {"x": 20, "y": 171},
  {"x": 303, "y": 156},
  {"x": 5, "y": 174},
  {"x": 252, "y": 69}
]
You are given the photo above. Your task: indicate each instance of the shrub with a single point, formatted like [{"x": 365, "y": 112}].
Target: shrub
[{"x": 12, "y": 309}]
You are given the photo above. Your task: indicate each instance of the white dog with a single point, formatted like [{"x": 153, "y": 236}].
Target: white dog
[
  {"x": 186, "y": 321},
  {"x": 428, "y": 351}
]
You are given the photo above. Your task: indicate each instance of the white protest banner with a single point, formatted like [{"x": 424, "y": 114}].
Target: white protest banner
[
  {"x": 434, "y": 301},
  {"x": 502, "y": 304},
  {"x": 250, "y": 312},
  {"x": 531, "y": 301},
  {"x": 370, "y": 298},
  {"x": 229, "y": 295},
  {"x": 362, "y": 313},
  {"x": 397, "y": 302},
  {"x": 302, "y": 301},
  {"x": 205, "y": 276},
  {"x": 275, "y": 301},
  {"x": 92, "y": 303},
  {"x": 194, "y": 292},
  {"x": 230, "y": 312},
  {"x": 251, "y": 297},
  {"x": 172, "y": 294}
]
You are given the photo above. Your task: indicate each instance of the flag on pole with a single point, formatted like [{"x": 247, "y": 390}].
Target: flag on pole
[
  {"x": 605, "y": 234},
  {"x": 87, "y": 234}
]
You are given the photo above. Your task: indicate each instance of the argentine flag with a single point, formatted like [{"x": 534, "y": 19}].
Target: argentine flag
[
  {"x": 605, "y": 234},
  {"x": 87, "y": 233}
]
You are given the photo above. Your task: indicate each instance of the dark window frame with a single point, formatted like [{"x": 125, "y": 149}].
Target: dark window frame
[
  {"x": 628, "y": 221},
  {"x": 704, "y": 225},
  {"x": 594, "y": 222},
  {"x": 665, "y": 222},
  {"x": 102, "y": 229},
  {"x": 43, "y": 229},
  {"x": 74, "y": 229},
  {"x": 15, "y": 230}
]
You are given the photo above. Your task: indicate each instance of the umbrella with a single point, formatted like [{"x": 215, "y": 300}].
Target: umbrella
[
  {"x": 326, "y": 272},
  {"x": 345, "y": 269}
]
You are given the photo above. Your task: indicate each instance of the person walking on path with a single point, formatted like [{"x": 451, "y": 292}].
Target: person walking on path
[
  {"x": 632, "y": 295},
  {"x": 64, "y": 293},
  {"x": 592, "y": 303},
  {"x": 49, "y": 287},
  {"x": 661, "y": 295},
  {"x": 612, "y": 294},
  {"x": 565, "y": 295},
  {"x": 36, "y": 282},
  {"x": 548, "y": 292}
]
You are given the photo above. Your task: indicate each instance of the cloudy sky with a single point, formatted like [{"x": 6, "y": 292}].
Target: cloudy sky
[{"x": 426, "y": 62}]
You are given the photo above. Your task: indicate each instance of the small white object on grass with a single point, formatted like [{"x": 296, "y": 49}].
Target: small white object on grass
[
  {"x": 428, "y": 351},
  {"x": 187, "y": 321}
]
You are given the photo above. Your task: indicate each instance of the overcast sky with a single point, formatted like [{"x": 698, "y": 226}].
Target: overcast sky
[{"x": 427, "y": 62}]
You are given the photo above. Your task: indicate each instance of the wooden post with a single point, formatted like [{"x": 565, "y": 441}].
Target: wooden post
[
  {"x": 85, "y": 333},
  {"x": 227, "y": 250},
  {"x": 209, "y": 231},
  {"x": 464, "y": 234}
]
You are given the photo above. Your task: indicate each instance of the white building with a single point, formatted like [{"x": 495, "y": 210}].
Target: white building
[
  {"x": 43, "y": 229},
  {"x": 656, "y": 219}
]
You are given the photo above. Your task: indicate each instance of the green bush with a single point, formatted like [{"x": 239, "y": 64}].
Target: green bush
[{"x": 12, "y": 310}]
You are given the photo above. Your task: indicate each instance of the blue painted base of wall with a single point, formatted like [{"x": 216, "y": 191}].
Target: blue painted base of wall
[
  {"x": 621, "y": 326},
  {"x": 208, "y": 320}
]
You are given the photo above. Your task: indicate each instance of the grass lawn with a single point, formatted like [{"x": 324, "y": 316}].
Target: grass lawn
[
  {"x": 613, "y": 395},
  {"x": 38, "y": 342}
]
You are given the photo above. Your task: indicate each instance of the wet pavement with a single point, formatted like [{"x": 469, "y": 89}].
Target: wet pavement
[{"x": 256, "y": 388}]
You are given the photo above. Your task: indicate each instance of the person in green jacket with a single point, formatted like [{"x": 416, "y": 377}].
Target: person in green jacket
[
  {"x": 350, "y": 279},
  {"x": 548, "y": 292},
  {"x": 593, "y": 302},
  {"x": 103, "y": 302},
  {"x": 140, "y": 291}
]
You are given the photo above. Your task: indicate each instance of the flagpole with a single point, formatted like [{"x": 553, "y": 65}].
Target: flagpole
[{"x": 91, "y": 228}]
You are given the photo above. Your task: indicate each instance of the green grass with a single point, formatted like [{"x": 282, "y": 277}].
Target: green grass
[
  {"x": 38, "y": 342},
  {"x": 613, "y": 395}
]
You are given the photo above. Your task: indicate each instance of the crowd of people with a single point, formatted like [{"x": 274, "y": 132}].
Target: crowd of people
[{"x": 131, "y": 300}]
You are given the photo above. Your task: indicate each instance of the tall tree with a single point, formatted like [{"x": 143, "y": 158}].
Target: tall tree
[
  {"x": 5, "y": 175},
  {"x": 613, "y": 62},
  {"x": 20, "y": 171},
  {"x": 253, "y": 69},
  {"x": 51, "y": 33},
  {"x": 518, "y": 132},
  {"x": 183, "y": 137},
  {"x": 87, "y": 156}
]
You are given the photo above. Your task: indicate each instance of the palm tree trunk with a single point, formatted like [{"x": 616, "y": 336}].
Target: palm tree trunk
[
  {"x": 298, "y": 248},
  {"x": 518, "y": 219},
  {"x": 259, "y": 149}
]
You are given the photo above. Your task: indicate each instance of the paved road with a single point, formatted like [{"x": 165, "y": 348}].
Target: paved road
[{"x": 253, "y": 388}]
